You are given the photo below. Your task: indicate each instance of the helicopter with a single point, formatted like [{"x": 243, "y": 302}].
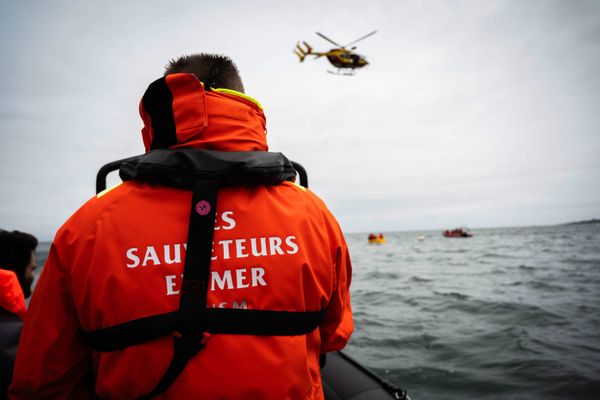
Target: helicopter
[{"x": 340, "y": 57}]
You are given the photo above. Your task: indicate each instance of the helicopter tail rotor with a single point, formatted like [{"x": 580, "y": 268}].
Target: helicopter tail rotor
[{"x": 302, "y": 52}]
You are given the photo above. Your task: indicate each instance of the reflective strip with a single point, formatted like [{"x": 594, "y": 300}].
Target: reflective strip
[
  {"x": 102, "y": 193},
  {"x": 294, "y": 184},
  {"x": 239, "y": 94}
]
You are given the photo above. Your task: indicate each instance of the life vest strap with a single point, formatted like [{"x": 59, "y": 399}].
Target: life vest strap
[
  {"x": 196, "y": 270},
  {"x": 232, "y": 321},
  {"x": 190, "y": 318},
  {"x": 184, "y": 349}
]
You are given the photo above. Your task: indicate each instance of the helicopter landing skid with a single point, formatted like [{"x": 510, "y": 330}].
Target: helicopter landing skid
[{"x": 341, "y": 73}]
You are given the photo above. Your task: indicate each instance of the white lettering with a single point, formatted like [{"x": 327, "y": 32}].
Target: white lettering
[
  {"x": 275, "y": 245},
  {"x": 216, "y": 278},
  {"x": 225, "y": 217},
  {"x": 168, "y": 258},
  {"x": 170, "y": 280},
  {"x": 133, "y": 257},
  {"x": 263, "y": 247},
  {"x": 225, "y": 244},
  {"x": 212, "y": 252},
  {"x": 240, "y": 247},
  {"x": 230, "y": 221},
  {"x": 240, "y": 277},
  {"x": 257, "y": 277},
  {"x": 242, "y": 304},
  {"x": 151, "y": 256},
  {"x": 227, "y": 280},
  {"x": 293, "y": 246},
  {"x": 226, "y": 249}
]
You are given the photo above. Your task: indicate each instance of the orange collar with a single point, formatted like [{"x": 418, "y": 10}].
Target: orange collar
[{"x": 178, "y": 112}]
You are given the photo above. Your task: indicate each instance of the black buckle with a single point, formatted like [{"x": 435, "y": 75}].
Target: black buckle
[{"x": 187, "y": 346}]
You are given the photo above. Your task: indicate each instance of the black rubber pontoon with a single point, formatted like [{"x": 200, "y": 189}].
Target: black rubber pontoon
[{"x": 346, "y": 379}]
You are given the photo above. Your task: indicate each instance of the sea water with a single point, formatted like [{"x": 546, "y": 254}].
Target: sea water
[
  {"x": 510, "y": 313},
  {"x": 507, "y": 314}
]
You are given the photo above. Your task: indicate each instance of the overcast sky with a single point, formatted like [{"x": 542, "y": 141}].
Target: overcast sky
[{"x": 477, "y": 113}]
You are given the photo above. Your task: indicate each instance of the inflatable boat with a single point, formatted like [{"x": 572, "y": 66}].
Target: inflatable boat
[
  {"x": 343, "y": 377},
  {"x": 457, "y": 233},
  {"x": 376, "y": 239}
]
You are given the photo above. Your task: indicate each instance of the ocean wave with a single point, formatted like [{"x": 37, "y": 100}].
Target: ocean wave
[
  {"x": 546, "y": 286},
  {"x": 517, "y": 283},
  {"x": 419, "y": 279},
  {"x": 397, "y": 342},
  {"x": 527, "y": 267},
  {"x": 506, "y": 312},
  {"x": 382, "y": 275},
  {"x": 497, "y": 256},
  {"x": 582, "y": 261},
  {"x": 453, "y": 295},
  {"x": 457, "y": 251},
  {"x": 498, "y": 271}
]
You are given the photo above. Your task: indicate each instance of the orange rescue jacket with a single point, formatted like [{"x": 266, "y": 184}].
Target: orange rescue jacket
[
  {"x": 11, "y": 294},
  {"x": 121, "y": 255}
]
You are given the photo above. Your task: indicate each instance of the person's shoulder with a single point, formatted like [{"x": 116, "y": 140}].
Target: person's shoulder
[
  {"x": 82, "y": 220},
  {"x": 311, "y": 200},
  {"x": 99, "y": 202},
  {"x": 303, "y": 195},
  {"x": 10, "y": 330},
  {"x": 9, "y": 320},
  {"x": 302, "y": 192}
]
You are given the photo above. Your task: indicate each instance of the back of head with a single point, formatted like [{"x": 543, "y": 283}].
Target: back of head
[
  {"x": 215, "y": 70},
  {"x": 16, "y": 254},
  {"x": 15, "y": 250}
]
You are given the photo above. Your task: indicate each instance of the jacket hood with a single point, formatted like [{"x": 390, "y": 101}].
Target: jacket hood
[
  {"x": 11, "y": 294},
  {"x": 178, "y": 112}
]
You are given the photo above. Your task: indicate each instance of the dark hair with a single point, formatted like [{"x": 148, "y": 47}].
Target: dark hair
[
  {"x": 15, "y": 250},
  {"x": 215, "y": 70}
]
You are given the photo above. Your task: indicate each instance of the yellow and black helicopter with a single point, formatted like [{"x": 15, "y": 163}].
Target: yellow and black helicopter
[{"x": 340, "y": 57}]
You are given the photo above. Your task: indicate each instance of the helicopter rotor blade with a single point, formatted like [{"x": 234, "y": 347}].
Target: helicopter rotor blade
[
  {"x": 329, "y": 40},
  {"x": 364, "y": 37}
]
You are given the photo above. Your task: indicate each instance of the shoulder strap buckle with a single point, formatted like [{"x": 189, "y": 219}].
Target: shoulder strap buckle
[{"x": 187, "y": 346}]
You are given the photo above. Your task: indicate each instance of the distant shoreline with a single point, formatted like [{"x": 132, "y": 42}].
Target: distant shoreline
[
  {"x": 589, "y": 221},
  {"x": 430, "y": 230}
]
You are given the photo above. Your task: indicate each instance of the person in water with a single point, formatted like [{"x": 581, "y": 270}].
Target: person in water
[
  {"x": 17, "y": 263},
  {"x": 207, "y": 273}
]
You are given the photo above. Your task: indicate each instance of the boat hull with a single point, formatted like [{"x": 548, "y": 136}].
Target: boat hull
[{"x": 345, "y": 379}]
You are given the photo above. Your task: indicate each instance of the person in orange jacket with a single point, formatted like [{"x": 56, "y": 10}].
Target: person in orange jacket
[
  {"x": 208, "y": 273},
  {"x": 12, "y": 313},
  {"x": 17, "y": 263}
]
